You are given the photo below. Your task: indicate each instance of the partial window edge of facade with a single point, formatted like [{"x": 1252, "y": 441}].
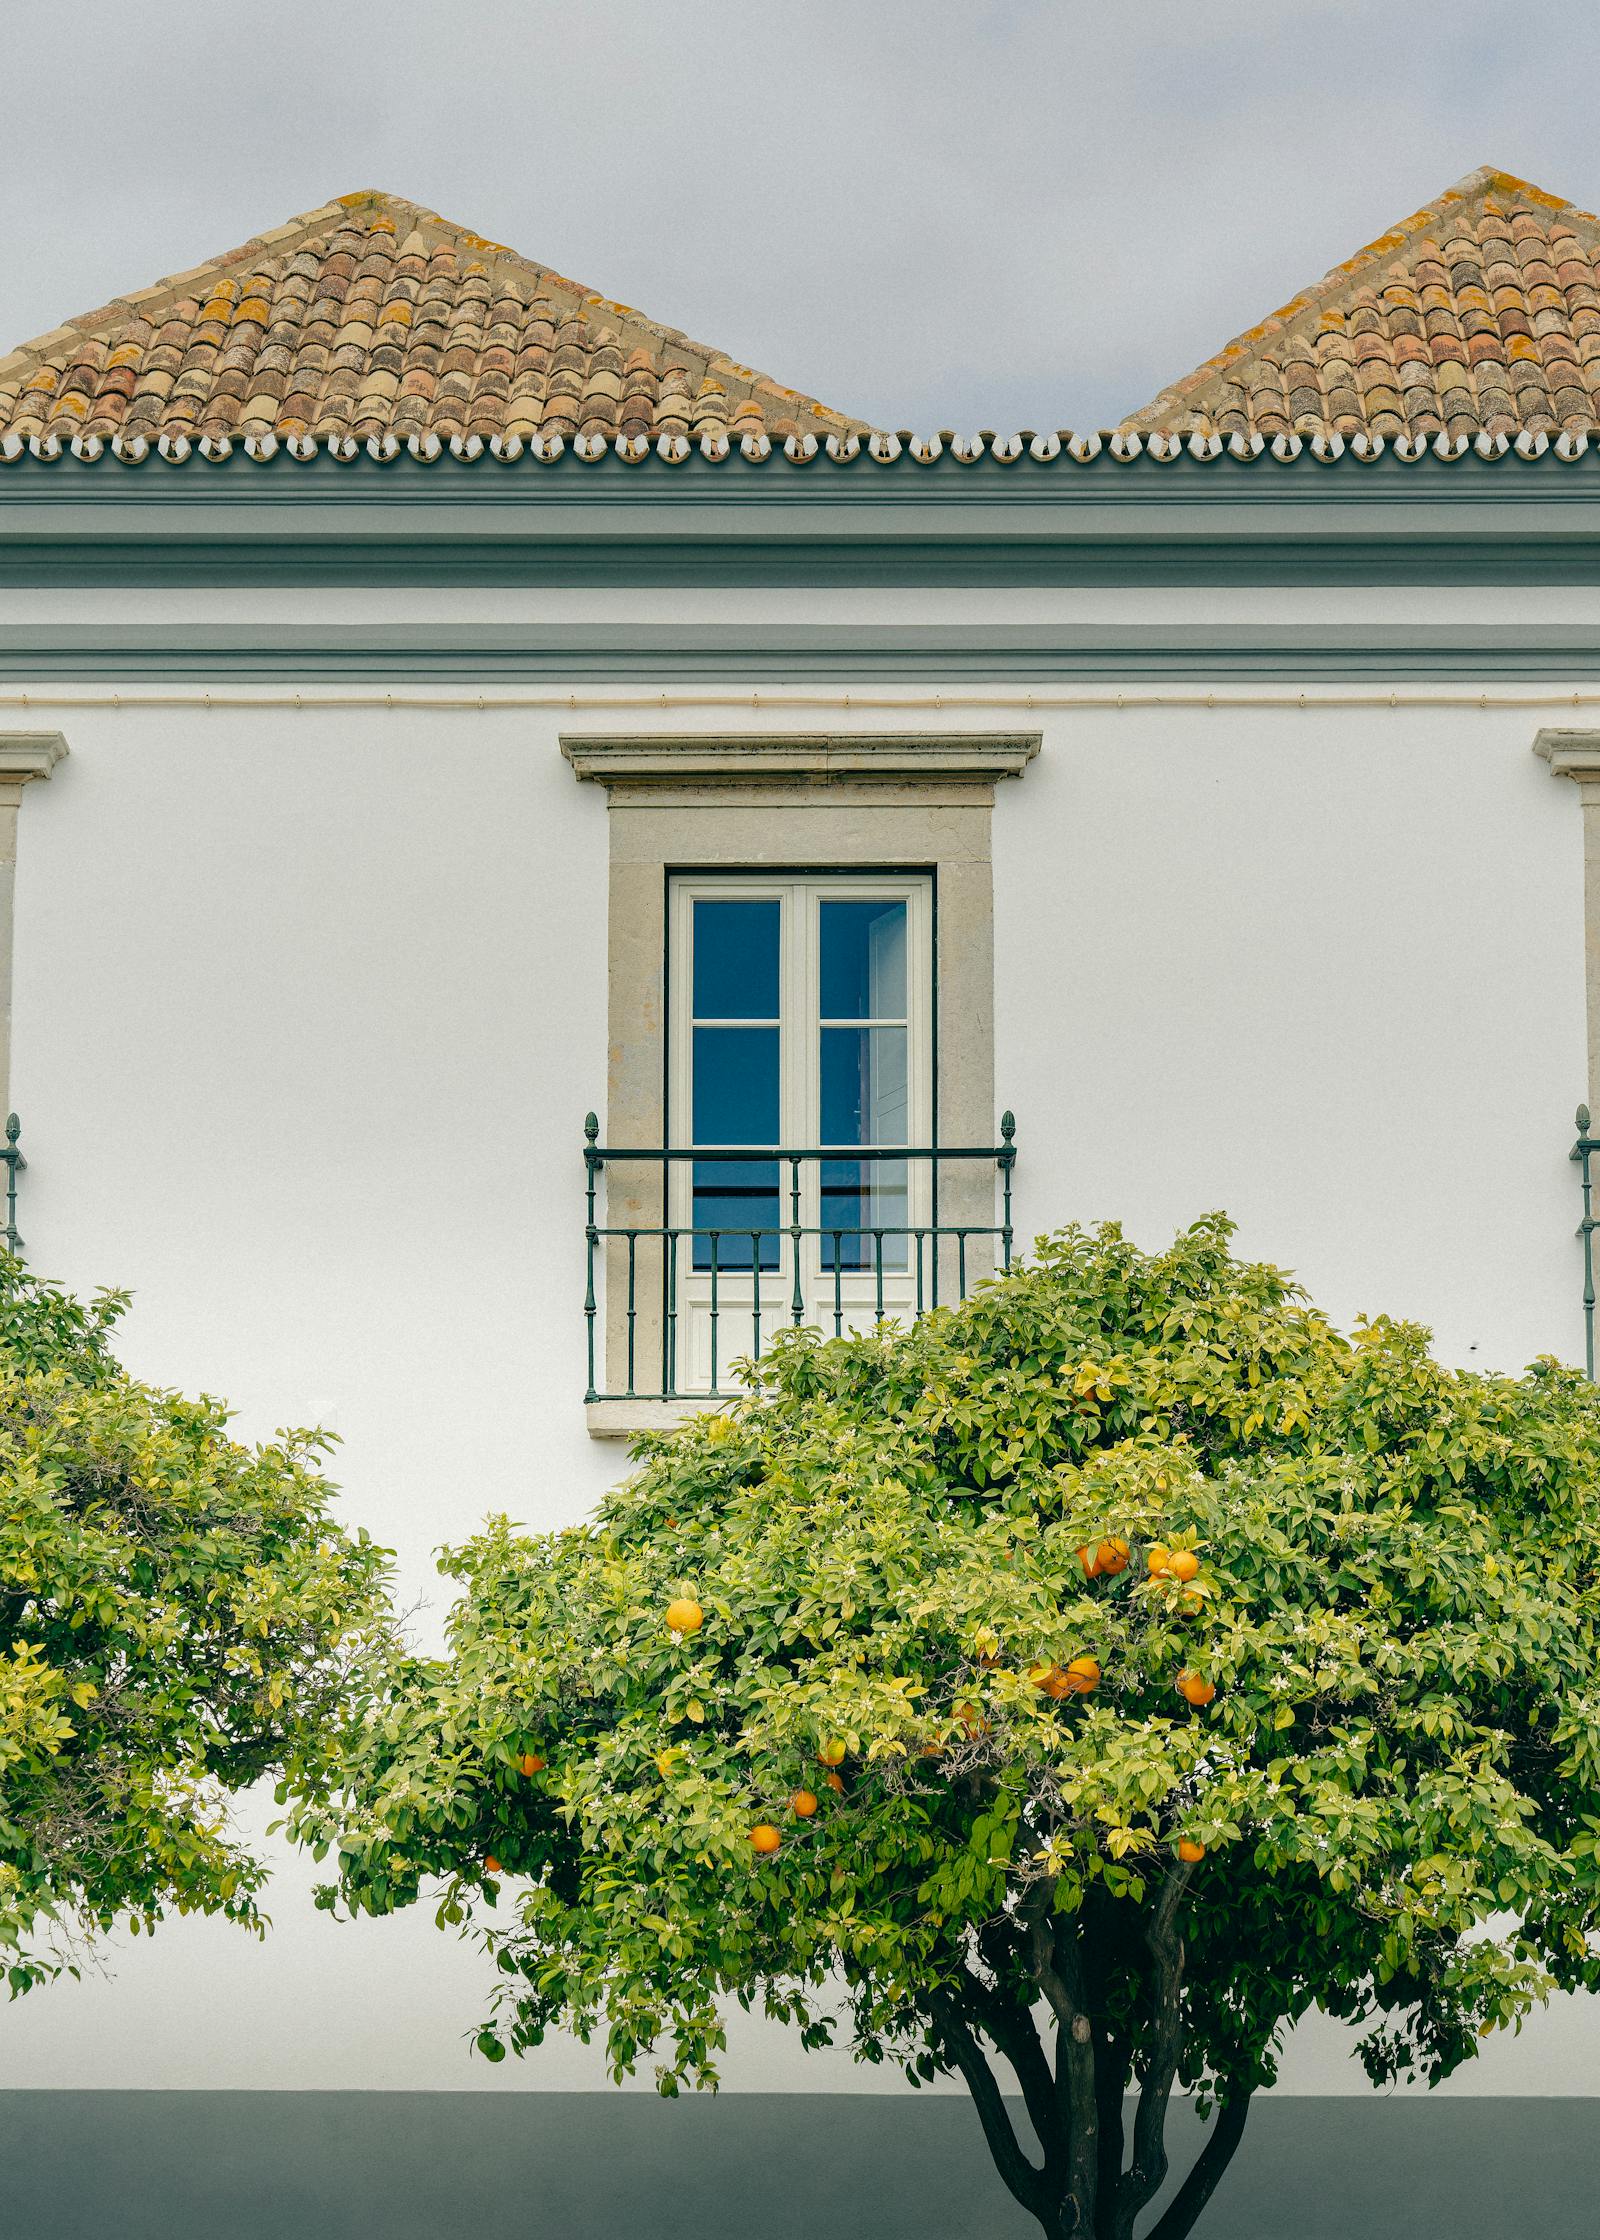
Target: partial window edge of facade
[
  {"x": 24, "y": 756},
  {"x": 1576, "y": 755},
  {"x": 814, "y": 802}
]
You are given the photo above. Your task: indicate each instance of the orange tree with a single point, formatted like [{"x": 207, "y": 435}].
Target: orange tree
[
  {"x": 1068, "y": 1693},
  {"x": 178, "y": 1616}
]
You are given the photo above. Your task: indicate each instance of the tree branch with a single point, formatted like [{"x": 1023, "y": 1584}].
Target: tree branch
[
  {"x": 1144, "y": 2176},
  {"x": 1111, "y": 2053},
  {"x": 1025, "y": 2183},
  {"x": 1058, "y": 1971},
  {"x": 1182, "y": 2212},
  {"x": 1012, "y": 2029}
]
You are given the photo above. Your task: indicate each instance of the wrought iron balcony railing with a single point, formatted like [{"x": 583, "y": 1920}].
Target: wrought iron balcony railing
[
  {"x": 1583, "y": 1151},
  {"x": 699, "y": 1252},
  {"x": 11, "y": 1154}
]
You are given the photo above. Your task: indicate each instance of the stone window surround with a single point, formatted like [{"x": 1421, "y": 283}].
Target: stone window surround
[
  {"x": 880, "y": 801},
  {"x": 1576, "y": 755},
  {"x": 24, "y": 756}
]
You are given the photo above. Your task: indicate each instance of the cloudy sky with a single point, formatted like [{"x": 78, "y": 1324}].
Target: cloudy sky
[{"x": 933, "y": 213}]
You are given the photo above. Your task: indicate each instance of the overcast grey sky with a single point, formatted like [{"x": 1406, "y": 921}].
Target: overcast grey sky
[{"x": 963, "y": 213}]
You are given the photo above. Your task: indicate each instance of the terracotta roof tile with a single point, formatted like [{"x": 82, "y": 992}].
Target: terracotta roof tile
[
  {"x": 1474, "y": 314},
  {"x": 371, "y": 315}
]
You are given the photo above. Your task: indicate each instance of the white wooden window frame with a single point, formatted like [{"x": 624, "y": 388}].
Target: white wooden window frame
[{"x": 800, "y": 897}]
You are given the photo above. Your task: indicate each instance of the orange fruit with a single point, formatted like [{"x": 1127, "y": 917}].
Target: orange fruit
[
  {"x": 802, "y": 1804},
  {"x": 667, "y": 1764},
  {"x": 764, "y": 1837},
  {"x": 491, "y": 1864},
  {"x": 1195, "y": 1688},
  {"x": 1158, "y": 1558},
  {"x": 1190, "y": 1852},
  {"x": 835, "y": 1783},
  {"x": 1039, "y": 1672},
  {"x": 530, "y": 1763},
  {"x": 1111, "y": 1557},
  {"x": 1083, "y": 1676},
  {"x": 972, "y": 1718},
  {"x": 1090, "y": 1559},
  {"x": 1058, "y": 1685},
  {"x": 1184, "y": 1564},
  {"x": 831, "y": 1753},
  {"x": 684, "y": 1616}
]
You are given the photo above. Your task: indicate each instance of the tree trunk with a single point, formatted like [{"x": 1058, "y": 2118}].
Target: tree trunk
[{"x": 1182, "y": 2213}]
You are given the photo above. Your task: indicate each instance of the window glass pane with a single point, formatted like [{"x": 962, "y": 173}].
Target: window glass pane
[
  {"x": 859, "y": 1197},
  {"x": 736, "y": 1085},
  {"x": 864, "y": 1088},
  {"x": 738, "y": 1199},
  {"x": 736, "y": 960},
  {"x": 863, "y": 960},
  {"x": 736, "y": 1101}
]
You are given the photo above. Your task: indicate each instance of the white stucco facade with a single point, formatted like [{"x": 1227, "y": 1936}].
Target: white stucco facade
[{"x": 310, "y": 1005}]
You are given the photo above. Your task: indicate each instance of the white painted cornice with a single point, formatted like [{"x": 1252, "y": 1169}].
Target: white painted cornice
[
  {"x": 1570, "y": 754},
  {"x": 658, "y": 762},
  {"x": 29, "y": 754}
]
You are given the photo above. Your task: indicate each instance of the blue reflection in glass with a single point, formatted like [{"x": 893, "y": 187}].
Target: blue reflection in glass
[
  {"x": 859, "y": 1196},
  {"x": 736, "y": 960},
  {"x": 863, "y": 960},
  {"x": 864, "y": 1100},
  {"x": 735, "y": 1085},
  {"x": 864, "y": 1088},
  {"x": 736, "y": 1101}
]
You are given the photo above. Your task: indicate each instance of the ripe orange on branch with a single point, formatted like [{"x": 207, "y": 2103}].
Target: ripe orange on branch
[
  {"x": 1184, "y": 1564},
  {"x": 1190, "y": 1852},
  {"x": 832, "y": 1753},
  {"x": 764, "y": 1837},
  {"x": 1111, "y": 1557},
  {"x": 685, "y": 1616},
  {"x": 1083, "y": 1676},
  {"x": 1195, "y": 1688},
  {"x": 1158, "y": 1558},
  {"x": 802, "y": 1804},
  {"x": 530, "y": 1763}
]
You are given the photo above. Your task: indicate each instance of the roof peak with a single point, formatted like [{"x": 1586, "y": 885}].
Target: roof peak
[
  {"x": 1186, "y": 401},
  {"x": 308, "y": 277}
]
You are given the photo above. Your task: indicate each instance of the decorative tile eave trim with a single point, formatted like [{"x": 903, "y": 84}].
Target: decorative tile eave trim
[
  {"x": 669, "y": 765},
  {"x": 1065, "y": 449}
]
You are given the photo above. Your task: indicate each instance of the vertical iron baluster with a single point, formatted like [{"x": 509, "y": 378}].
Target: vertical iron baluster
[
  {"x": 961, "y": 1261},
  {"x": 591, "y": 1161},
  {"x": 669, "y": 1273},
  {"x": 716, "y": 1240},
  {"x": 933, "y": 1165},
  {"x": 797, "y": 1307},
  {"x": 1008, "y": 1159},
  {"x": 633, "y": 1258},
  {"x": 838, "y": 1278},
  {"x": 755, "y": 1293},
  {"x": 1581, "y": 1151},
  {"x": 921, "y": 1239},
  {"x": 877, "y": 1270},
  {"x": 669, "y": 1335}
]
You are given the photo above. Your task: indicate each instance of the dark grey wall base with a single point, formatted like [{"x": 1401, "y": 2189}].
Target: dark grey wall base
[{"x": 589, "y": 2166}]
